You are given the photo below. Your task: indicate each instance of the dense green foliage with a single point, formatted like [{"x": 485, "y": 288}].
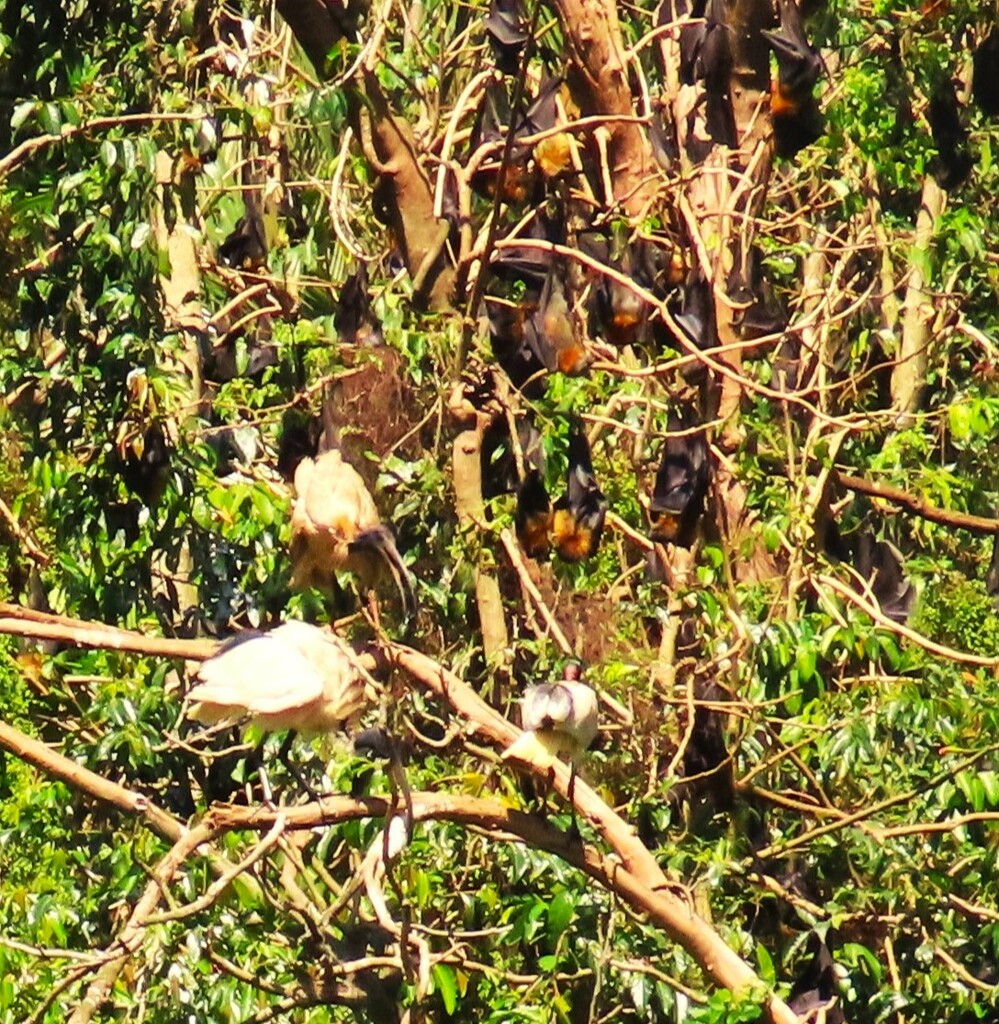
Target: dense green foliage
[{"x": 867, "y": 793}]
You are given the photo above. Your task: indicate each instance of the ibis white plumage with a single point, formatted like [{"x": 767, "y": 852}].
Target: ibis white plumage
[
  {"x": 560, "y": 720},
  {"x": 295, "y": 677},
  {"x": 335, "y": 525}
]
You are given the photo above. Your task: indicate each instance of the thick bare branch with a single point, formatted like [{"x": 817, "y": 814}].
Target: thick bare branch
[
  {"x": 89, "y": 783},
  {"x": 17, "y": 620},
  {"x": 919, "y": 506},
  {"x": 908, "y": 381},
  {"x": 595, "y": 44},
  {"x": 467, "y": 470},
  {"x": 641, "y": 881}
]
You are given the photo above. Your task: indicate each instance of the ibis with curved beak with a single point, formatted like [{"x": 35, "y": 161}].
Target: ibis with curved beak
[{"x": 335, "y": 525}]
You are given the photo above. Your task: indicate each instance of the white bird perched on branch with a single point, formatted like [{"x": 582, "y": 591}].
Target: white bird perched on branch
[
  {"x": 335, "y": 525},
  {"x": 559, "y": 720},
  {"x": 296, "y": 677}
]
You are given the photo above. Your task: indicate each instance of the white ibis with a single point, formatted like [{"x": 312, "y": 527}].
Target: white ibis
[
  {"x": 296, "y": 677},
  {"x": 559, "y": 720},
  {"x": 335, "y": 525}
]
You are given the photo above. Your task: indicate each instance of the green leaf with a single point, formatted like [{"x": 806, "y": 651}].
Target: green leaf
[
  {"x": 767, "y": 970},
  {"x": 22, "y": 112},
  {"x": 447, "y": 985},
  {"x": 805, "y": 661},
  {"x": 51, "y": 118},
  {"x": 560, "y": 912},
  {"x": 140, "y": 235}
]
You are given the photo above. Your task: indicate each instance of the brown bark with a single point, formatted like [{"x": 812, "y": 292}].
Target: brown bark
[
  {"x": 467, "y": 469},
  {"x": 637, "y": 878},
  {"x": 908, "y": 380},
  {"x": 319, "y": 26},
  {"x": 85, "y": 781},
  {"x": 718, "y": 960},
  {"x": 602, "y": 85},
  {"x": 130, "y": 936},
  {"x": 723, "y": 196},
  {"x": 420, "y": 236},
  {"x": 919, "y": 506},
  {"x": 642, "y": 882},
  {"x": 389, "y": 146},
  {"x": 172, "y": 216},
  {"x": 17, "y": 620}
]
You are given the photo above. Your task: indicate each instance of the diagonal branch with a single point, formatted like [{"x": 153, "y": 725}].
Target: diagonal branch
[
  {"x": 20, "y": 621},
  {"x": 83, "y": 780},
  {"x": 918, "y": 505},
  {"x": 640, "y": 880},
  {"x": 637, "y": 878}
]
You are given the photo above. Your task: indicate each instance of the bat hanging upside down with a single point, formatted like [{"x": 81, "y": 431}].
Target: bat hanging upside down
[
  {"x": 574, "y": 525},
  {"x": 335, "y": 526},
  {"x": 578, "y": 518}
]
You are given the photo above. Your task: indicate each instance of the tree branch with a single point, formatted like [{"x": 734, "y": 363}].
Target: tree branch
[
  {"x": 919, "y": 506},
  {"x": 908, "y": 380},
  {"x": 466, "y": 465},
  {"x": 83, "y": 780},
  {"x": 17, "y": 620},
  {"x": 593, "y": 35},
  {"x": 131, "y": 935},
  {"x": 640, "y": 881},
  {"x": 502, "y": 823}
]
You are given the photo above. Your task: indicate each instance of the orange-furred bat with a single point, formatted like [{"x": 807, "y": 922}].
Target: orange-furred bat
[
  {"x": 797, "y": 120},
  {"x": 554, "y": 154},
  {"x": 704, "y": 50},
  {"x": 534, "y": 516},
  {"x": 501, "y": 473},
  {"x": 508, "y": 334},
  {"x": 553, "y": 331},
  {"x": 625, "y": 312},
  {"x": 300, "y": 434},
  {"x": 145, "y": 463},
  {"x": 621, "y": 314},
  {"x": 680, "y": 488},
  {"x": 514, "y": 262},
  {"x": 690, "y": 15},
  {"x": 522, "y": 180},
  {"x": 748, "y": 288},
  {"x": 245, "y": 247},
  {"x": 696, "y": 315},
  {"x": 579, "y": 514},
  {"x": 815, "y": 992},
  {"x": 335, "y": 526}
]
